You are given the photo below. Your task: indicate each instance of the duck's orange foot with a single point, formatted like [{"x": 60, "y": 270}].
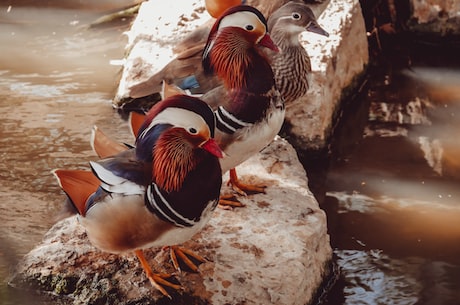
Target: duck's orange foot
[
  {"x": 158, "y": 280},
  {"x": 186, "y": 256},
  {"x": 228, "y": 202},
  {"x": 242, "y": 188}
]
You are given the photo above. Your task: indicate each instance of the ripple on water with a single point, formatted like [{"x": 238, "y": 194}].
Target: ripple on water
[{"x": 372, "y": 277}]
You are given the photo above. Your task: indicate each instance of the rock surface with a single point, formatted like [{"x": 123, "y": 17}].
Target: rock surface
[
  {"x": 435, "y": 16},
  {"x": 273, "y": 251},
  {"x": 336, "y": 60}
]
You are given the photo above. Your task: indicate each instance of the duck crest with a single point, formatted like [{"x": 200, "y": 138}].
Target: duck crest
[{"x": 173, "y": 160}]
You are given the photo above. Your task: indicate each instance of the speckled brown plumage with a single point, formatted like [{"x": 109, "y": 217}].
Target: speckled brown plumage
[
  {"x": 292, "y": 66},
  {"x": 293, "y": 81}
]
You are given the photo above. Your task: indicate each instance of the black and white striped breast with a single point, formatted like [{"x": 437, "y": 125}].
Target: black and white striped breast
[
  {"x": 159, "y": 203},
  {"x": 186, "y": 207}
]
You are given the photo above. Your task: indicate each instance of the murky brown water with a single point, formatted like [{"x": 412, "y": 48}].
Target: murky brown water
[
  {"x": 393, "y": 201},
  {"x": 55, "y": 84},
  {"x": 393, "y": 189}
]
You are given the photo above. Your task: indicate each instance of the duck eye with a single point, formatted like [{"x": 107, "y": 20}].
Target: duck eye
[
  {"x": 192, "y": 130},
  {"x": 249, "y": 27},
  {"x": 296, "y": 16}
]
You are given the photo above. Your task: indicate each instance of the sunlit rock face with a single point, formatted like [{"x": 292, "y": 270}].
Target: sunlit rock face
[
  {"x": 337, "y": 61},
  {"x": 273, "y": 251},
  {"x": 435, "y": 16}
]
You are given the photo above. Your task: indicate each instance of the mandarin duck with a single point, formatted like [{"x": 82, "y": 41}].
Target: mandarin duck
[
  {"x": 248, "y": 107},
  {"x": 159, "y": 193},
  {"x": 292, "y": 65}
]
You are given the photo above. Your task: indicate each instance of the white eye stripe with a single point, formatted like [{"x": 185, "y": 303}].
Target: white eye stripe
[
  {"x": 177, "y": 117},
  {"x": 242, "y": 20},
  {"x": 285, "y": 17}
]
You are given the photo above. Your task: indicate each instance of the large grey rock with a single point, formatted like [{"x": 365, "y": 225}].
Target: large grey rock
[{"x": 273, "y": 251}]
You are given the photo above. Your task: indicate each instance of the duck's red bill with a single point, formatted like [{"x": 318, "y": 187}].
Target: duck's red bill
[{"x": 212, "y": 147}]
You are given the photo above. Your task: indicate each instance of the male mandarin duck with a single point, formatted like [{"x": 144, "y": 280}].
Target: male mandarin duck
[
  {"x": 159, "y": 193},
  {"x": 248, "y": 107}
]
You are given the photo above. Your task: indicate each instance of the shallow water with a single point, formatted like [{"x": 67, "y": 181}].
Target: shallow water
[
  {"x": 56, "y": 82},
  {"x": 392, "y": 190}
]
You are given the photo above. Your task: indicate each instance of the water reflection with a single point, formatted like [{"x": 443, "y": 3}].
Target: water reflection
[
  {"x": 393, "y": 200},
  {"x": 373, "y": 277},
  {"x": 443, "y": 89},
  {"x": 51, "y": 51},
  {"x": 56, "y": 81}
]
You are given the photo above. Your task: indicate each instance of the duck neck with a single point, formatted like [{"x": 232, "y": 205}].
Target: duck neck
[
  {"x": 173, "y": 159},
  {"x": 285, "y": 40},
  {"x": 241, "y": 65}
]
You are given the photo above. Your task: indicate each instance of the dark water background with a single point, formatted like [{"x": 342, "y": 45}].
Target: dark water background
[{"x": 391, "y": 189}]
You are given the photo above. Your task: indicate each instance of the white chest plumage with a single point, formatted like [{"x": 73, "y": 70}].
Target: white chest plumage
[
  {"x": 119, "y": 234},
  {"x": 249, "y": 140}
]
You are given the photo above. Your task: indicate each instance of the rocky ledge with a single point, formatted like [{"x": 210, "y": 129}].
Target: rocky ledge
[{"x": 273, "y": 251}]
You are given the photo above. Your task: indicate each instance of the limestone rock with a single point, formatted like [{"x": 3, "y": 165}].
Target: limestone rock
[{"x": 273, "y": 251}]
